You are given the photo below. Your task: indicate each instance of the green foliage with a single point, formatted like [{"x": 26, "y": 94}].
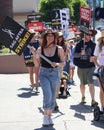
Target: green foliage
[
  {"x": 76, "y": 7},
  {"x": 46, "y": 7},
  {"x": 5, "y": 50}
]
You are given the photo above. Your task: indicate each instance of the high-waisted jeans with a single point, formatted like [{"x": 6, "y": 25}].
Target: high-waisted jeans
[{"x": 49, "y": 79}]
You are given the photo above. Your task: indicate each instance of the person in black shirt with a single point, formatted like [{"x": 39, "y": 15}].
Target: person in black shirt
[{"x": 83, "y": 59}]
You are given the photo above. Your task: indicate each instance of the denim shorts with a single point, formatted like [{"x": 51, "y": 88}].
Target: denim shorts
[
  {"x": 49, "y": 79},
  {"x": 67, "y": 66}
]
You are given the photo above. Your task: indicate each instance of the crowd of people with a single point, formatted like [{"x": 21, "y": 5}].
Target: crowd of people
[{"x": 63, "y": 56}]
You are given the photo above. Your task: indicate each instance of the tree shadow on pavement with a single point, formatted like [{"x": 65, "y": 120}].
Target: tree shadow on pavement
[
  {"x": 25, "y": 89},
  {"x": 80, "y": 109},
  {"x": 59, "y": 113},
  {"x": 27, "y": 94},
  {"x": 46, "y": 128},
  {"x": 99, "y": 123},
  {"x": 79, "y": 115}
]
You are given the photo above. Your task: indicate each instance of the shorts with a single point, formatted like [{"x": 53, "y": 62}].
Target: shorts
[
  {"x": 67, "y": 66},
  {"x": 29, "y": 64},
  {"x": 62, "y": 80},
  {"x": 86, "y": 75}
]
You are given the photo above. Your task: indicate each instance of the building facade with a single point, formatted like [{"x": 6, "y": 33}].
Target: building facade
[
  {"x": 6, "y": 8},
  {"x": 18, "y": 9},
  {"x": 23, "y": 8},
  {"x": 98, "y": 3},
  {"x": 25, "y": 5}
]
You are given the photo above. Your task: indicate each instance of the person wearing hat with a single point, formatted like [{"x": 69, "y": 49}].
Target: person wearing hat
[
  {"x": 29, "y": 62},
  {"x": 49, "y": 75},
  {"x": 99, "y": 61},
  {"x": 83, "y": 56},
  {"x": 61, "y": 41}
]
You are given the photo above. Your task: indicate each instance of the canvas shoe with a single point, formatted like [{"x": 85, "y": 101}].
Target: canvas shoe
[
  {"x": 51, "y": 121},
  {"x": 46, "y": 121},
  {"x": 94, "y": 103}
]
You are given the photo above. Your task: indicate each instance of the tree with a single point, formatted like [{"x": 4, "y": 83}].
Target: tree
[
  {"x": 76, "y": 7},
  {"x": 46, "y": 7}
]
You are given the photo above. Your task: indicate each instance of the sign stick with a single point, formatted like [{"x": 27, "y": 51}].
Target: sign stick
[{"x": 43, "y": 57}]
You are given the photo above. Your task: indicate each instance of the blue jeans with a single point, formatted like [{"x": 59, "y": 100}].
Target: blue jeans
[{"x": 49, "y": 79}]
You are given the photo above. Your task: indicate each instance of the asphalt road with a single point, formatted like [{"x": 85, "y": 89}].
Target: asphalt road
[{"x": 22, "y": 110}]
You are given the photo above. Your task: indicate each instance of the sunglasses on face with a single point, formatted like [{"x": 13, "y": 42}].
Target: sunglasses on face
[
  {"x": 88, "y": 34},
  {"x": 50, "y": 35}
]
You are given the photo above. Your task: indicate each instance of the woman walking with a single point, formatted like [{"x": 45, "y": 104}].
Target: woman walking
[{"x": 49, "y": 75}]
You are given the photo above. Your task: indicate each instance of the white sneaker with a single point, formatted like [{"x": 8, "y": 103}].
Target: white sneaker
[
  {"x": 51, "y": 121},
  {"x": 46, "y": 121}
]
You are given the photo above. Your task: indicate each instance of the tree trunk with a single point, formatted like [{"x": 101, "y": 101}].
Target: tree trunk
[{"x": 6, "y": 9}]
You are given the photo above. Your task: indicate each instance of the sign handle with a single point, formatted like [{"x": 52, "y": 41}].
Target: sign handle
[{"x": 43, "y": 57}]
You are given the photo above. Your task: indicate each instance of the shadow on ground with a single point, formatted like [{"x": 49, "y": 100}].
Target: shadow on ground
[
  {"x": 28, "y": 93},
  {"x": 46, "y": 128},
  {"x": 81, "y": 108},
  {"x": 99, "y": 124}
]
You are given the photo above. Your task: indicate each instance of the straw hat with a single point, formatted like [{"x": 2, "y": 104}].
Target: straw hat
[
  {"x": 49, "y": 31},
  {"x": 71, "y": 40},
  {"x": 94, "y": 32},
  {"x": 100, "y": 38},
  {"x": 60, "y": 34}
]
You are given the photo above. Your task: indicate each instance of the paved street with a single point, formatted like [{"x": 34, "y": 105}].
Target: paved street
[{"x": 22, "y": 110}]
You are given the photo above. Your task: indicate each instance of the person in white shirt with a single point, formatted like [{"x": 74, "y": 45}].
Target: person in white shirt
[{"x": 99, "y": 61}]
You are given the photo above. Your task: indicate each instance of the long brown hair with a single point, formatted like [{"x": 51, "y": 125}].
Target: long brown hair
[
  {"x": 49, "y": 31},
  {"x": 62, "y": 43},
  {"x": 101, "y": 44}
]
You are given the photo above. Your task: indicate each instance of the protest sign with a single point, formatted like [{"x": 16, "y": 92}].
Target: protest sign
[
  {"x": 14, "y": 36},
  {"x": 85, "y": 15}
]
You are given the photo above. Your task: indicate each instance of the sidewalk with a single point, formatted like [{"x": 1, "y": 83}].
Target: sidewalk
[{"x": 22, "y": 110}]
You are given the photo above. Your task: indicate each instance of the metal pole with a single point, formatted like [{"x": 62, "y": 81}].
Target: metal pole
[{"x": 94, "y": 6}]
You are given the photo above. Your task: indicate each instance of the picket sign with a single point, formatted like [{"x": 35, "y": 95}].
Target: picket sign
[{"x": 15, "y": 37}]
